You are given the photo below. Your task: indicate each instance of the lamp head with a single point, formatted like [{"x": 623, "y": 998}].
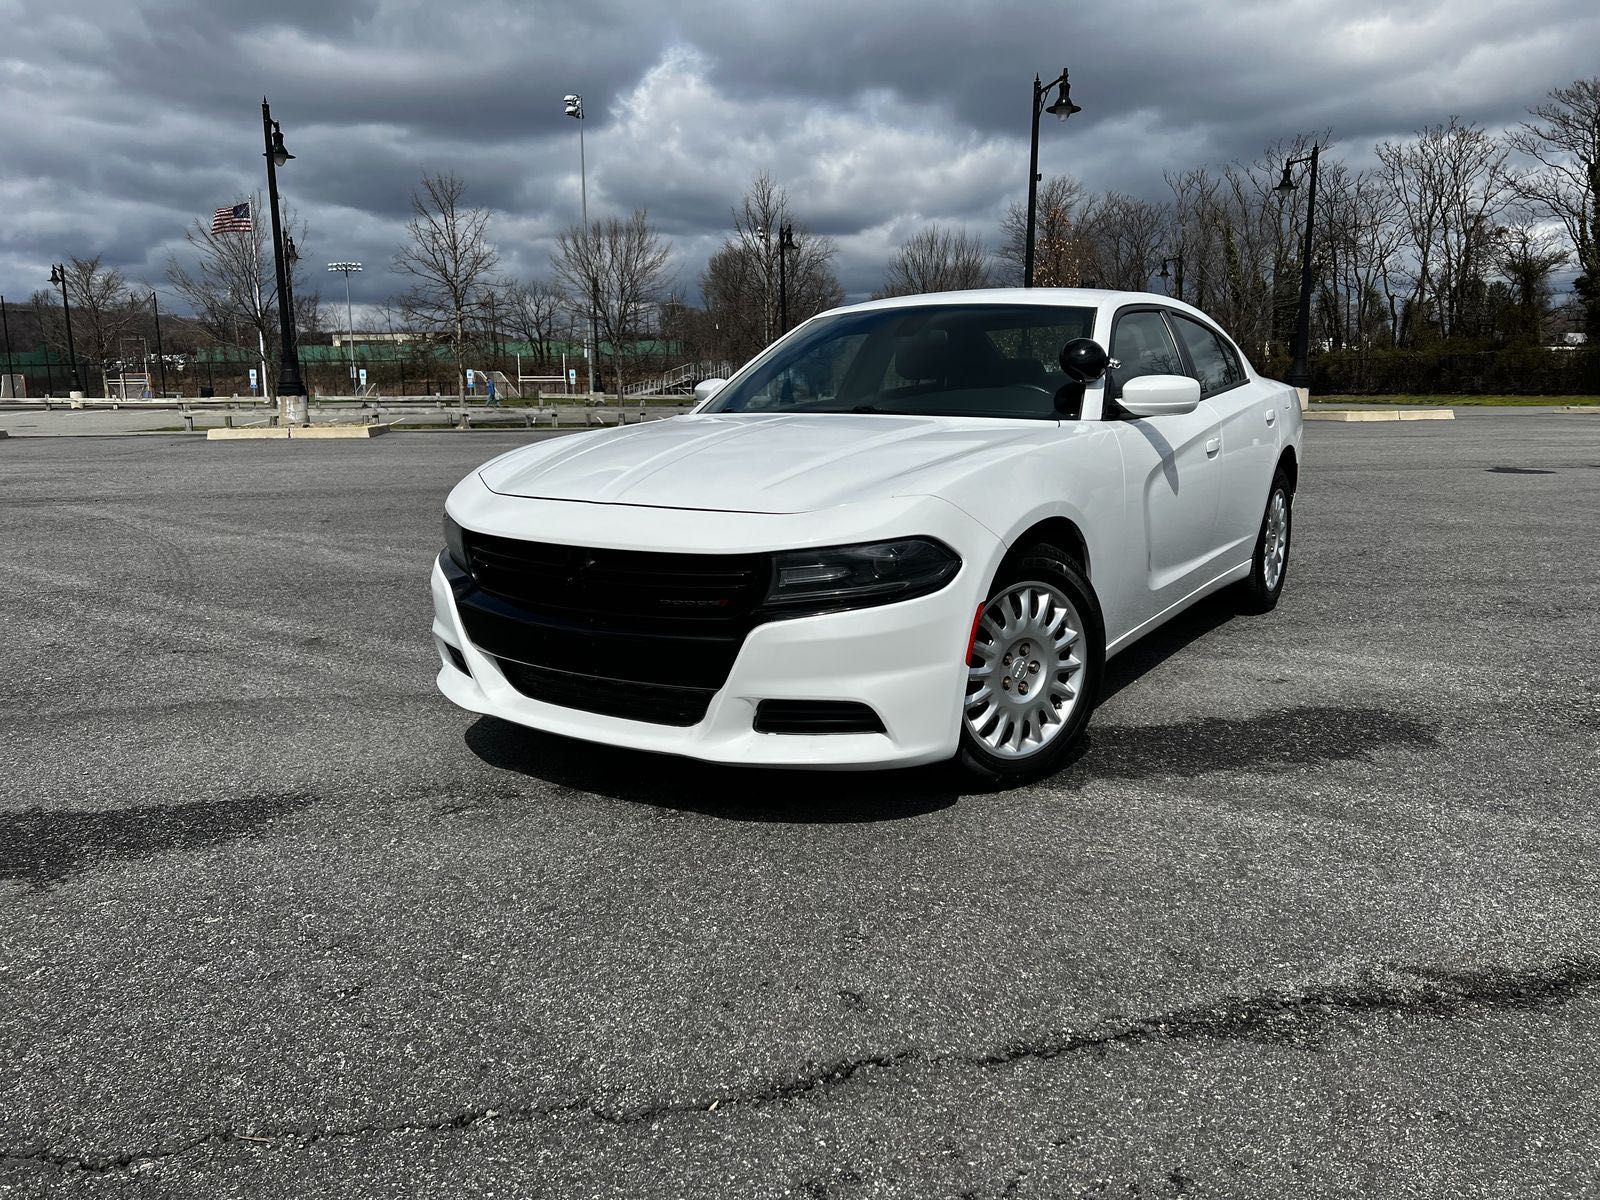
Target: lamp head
[
  {"x": 1164, "y": 273},
  {"x": 290, "y": 254},
  {"x": 574, "y": 105},
  {"x": 1063, "y": 107},
  {"x": 786, "y": 238},
  {"x": 55, "y": 274},
  {"x": 1287, "y": 183},
  {"x": 279, "y": 154}
]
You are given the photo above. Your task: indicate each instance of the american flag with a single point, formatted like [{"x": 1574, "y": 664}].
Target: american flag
[{"x": 232, "y": 220}]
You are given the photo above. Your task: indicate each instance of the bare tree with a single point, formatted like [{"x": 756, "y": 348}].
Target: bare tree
[
  {"x": 1526, "y": 255},
  {"x": 621, "y": 263},
  {"x": 1564, "y": 139},
  {"x": 1058, "y": 253},
  {"x": 539, "y": 313},
  {"x": 1356, "y": 258},
  {"x": 1123, "y": 239},
  {"x": 102, "y": 313},
  {"x": 937, "y": 260},
  {"x": 450, "y": 262},
  {"x": 1450, "y": 185},
  {"x": 740, "y": 285}
]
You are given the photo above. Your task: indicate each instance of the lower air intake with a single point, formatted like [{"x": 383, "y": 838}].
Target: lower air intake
[
  {"x": 660, "y": 704},
  {"x": 816, "y": 716}
]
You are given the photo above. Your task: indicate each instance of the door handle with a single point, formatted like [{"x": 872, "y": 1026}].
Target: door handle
[
  {"x": 1272, "y": 416},
  {"x": 1213, "y": 446}
]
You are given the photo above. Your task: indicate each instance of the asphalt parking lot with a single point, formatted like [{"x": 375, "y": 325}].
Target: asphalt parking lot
[{"x": 1316, "y": 912}]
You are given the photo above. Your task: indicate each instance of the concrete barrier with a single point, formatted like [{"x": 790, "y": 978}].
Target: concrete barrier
[
  {"x": 1381, "y": 414},
  {"x": 295, "y": 432}
]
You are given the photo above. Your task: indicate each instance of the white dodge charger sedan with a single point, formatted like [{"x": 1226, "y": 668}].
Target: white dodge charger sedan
[{"x": 909, "y": 530}]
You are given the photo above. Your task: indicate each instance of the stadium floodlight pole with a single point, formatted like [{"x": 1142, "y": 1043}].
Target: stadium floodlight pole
[
  {"x": 348, "y": 269},
  {"x": 1299, "y": 375},
  {"x": 58, "y": 276},
  {"x": 574, "y": 105},
  {"x": 1063, "y": 107},
  {"x": 161, "y": 358},
  {"x": 289, "y": 381}
]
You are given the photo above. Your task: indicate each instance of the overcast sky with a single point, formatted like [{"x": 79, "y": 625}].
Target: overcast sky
[{"x": 124, "y": 121}]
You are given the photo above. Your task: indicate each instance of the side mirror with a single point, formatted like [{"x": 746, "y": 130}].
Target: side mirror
[
  {"x": 1084, "y": 360},
  {"x": 706, "y": 389},
  {"x": 1160, "y": 395}
]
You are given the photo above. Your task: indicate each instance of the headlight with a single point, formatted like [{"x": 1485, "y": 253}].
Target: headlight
[
  {"x": 456, "y": 545},
  {"x": 857, "y": 576}
]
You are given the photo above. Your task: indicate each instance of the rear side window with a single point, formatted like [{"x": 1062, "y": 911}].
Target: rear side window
[
  {"x": 1142, "y": 345},
  {"x": 1216, "y": 366}
]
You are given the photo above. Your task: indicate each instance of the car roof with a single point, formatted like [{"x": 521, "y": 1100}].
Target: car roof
[{"x": 1039, "y": 296}]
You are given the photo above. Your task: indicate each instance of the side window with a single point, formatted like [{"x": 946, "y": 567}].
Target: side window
[
  {"x": 1143, "y": 345},
  {"x": 1215, "y": 364}
]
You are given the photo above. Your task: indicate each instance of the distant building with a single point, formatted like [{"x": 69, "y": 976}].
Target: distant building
[{"x": 358, "y": 337}]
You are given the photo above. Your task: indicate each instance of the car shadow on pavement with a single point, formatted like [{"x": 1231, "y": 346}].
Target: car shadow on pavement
[
  {"x": 767, "y": 794},
  {"x": 733, "y": 793}
]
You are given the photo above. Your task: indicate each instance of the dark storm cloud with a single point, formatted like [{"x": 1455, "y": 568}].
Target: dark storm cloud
[{"x": 126, "y": 122}]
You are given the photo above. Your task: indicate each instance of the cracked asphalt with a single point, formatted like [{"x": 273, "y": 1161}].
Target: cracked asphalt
[{"x": 1313, "y": 913}]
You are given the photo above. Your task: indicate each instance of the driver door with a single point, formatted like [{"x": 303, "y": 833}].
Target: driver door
[{"x": 1170, "y": 465}]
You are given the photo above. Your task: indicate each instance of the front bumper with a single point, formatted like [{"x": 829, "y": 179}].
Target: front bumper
[{"x": 904, "y": 660}]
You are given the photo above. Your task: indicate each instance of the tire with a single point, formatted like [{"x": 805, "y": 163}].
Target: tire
[
  {"x": 1039, "y": 596},
  {"x": 1269, "y": 565}
]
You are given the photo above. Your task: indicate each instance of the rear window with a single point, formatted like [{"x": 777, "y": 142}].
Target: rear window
[{"x": 1215, "y": 364}]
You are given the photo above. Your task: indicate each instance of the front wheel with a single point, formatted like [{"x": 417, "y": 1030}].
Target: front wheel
[{"x": 1034, "y": 672}]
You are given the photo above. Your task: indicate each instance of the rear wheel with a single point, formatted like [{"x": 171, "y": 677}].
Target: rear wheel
[
  {"x": 1269, "y": 566},
  {"x": 1034, "y": 672}
]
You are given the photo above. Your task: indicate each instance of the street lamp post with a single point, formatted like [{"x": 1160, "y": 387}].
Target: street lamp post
[
  {"x": 1063, "y": 107},
  {"x": 786, "y": 242},
  {"x": 290, "y": 384},
  {"x": 58, "y": 276},
  {"x": 574, "y": 105},
  {"x": 347, "y": 269},
  {"x": 5, "y": 324},
  {"x": 1299, "y": 368},
  {"x": 1166, "y": 273}
]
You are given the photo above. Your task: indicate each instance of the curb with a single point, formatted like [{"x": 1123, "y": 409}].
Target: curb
[
  {"x": 290, "y": 432},
  {"x": 1579, "y": 408}
]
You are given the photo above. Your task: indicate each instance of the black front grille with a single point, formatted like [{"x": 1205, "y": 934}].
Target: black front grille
[
  {"x": 656, "y": 703},
  {"x": 629, "y": 589},
  {"x": 638, "y": 634}
]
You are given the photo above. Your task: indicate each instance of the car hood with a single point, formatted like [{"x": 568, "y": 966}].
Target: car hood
[{"x": 763, "y": 463}]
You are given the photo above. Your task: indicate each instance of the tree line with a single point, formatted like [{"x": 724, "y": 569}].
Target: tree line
[{"x": 1450, "y": 239}]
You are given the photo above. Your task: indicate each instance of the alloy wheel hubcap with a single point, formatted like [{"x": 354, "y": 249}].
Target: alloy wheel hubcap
[
  {"x": 1025, "y": 677},
  {"x": 1276, "y": 546}
]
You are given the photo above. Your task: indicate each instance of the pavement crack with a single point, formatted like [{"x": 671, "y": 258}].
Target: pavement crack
[
  {"x": 1282, "y": 1018},
  {"x": 1308, "y": 1017}
]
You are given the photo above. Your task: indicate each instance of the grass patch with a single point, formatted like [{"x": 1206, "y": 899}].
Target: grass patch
[{"x": 1459, "y": 401}]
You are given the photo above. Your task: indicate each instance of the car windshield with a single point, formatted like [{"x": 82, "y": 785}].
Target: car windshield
[{"x": 979, "y": 360}]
